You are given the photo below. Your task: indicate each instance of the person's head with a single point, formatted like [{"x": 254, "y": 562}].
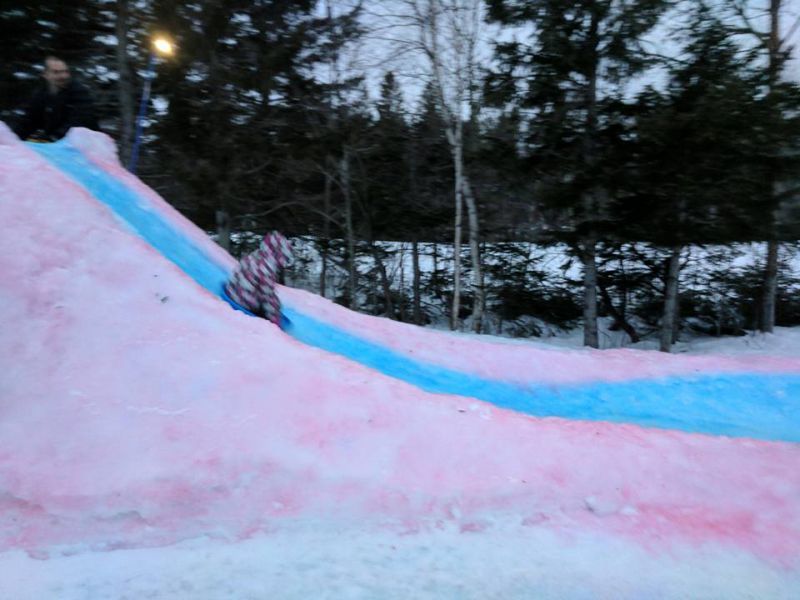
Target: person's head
[{"x": 56, "y": 73}]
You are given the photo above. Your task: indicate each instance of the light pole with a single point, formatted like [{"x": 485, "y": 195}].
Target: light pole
[{"x": 163, "y": 47}]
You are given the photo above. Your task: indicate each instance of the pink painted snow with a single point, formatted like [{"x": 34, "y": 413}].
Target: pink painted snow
[{"x": 139, "y": 413}]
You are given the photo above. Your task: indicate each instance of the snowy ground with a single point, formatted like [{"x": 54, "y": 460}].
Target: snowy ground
[
  {"x": 785, "y": 341},
  {"x": 316, "y": 560},
  {"x": 156, "y": 444}
]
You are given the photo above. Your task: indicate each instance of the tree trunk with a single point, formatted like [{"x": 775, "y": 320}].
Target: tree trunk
[
  {"x": 619, "y": 315},
  {"x": 326, "y": 232},
  {"x": 676, "y": 321},
  {"x": 388, "y": 310},
  {"x": 416, "y": 302},
  {"x": 590, "y": 197},
  {"x": 417, "y": 316},
  {"x": 770, "y": 288},
  {"x": 769, "y": 284},
  {"x": 774, "y": 41},
  {"x": 475, "y": 252},
  {"x": 463, "y": 193},
  {"x": 462, "y": 37},
  {"x": 456, "y": 307},
  {"x": 224, "y": 229},
  {"x": 435, "y": 289},
  {"x": 344, "y": 171},
  {"x": 125, "y": 93},
  {"x": 401, "y": 304},
  {"x": 669, "y": 315},
  {"x": 589, "y": 260},
  {"x": 323, "y": 271}
]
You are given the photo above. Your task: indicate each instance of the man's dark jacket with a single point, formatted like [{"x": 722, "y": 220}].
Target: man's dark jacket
[{"x": 50, "y": 116}]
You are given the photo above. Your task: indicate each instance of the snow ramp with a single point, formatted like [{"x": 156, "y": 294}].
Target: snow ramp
[
  {"x": 717, "y": 396},
  {"x": 219, "y": 457}
]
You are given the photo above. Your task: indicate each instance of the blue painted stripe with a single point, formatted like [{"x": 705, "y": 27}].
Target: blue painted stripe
[
  {"x": 138, "y": 214},
  {"x": 750, "y": 405}
]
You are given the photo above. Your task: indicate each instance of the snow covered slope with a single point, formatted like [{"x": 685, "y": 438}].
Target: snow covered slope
[
  {"x": 139, "y": 413},
  {"x": 713, "y": 395}
]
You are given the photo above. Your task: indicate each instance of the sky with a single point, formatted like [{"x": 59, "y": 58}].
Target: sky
[
  {"x": 387, "y": 45},
  {"x": 156, "y": 443}
]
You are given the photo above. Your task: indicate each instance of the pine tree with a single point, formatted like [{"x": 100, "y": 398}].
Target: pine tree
[
  {"x": 559, "y": 75},
  {"x": 701, "y": 173},
  {"x": 244, "y": 107}
]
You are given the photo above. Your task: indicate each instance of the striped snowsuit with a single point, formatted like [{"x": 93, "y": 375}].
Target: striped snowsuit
[{"x": 252, "y": 284}]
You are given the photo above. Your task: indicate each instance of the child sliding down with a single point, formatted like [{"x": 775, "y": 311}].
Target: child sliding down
[{"x": 252, "y": 284}]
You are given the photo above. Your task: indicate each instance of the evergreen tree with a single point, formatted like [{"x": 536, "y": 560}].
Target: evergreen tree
[
  {"x": 389, "y": 211},
  {"x": 573, "y": 55},
  {"x": 704, "y": 164},
  {"x": 242, "y": 106}
]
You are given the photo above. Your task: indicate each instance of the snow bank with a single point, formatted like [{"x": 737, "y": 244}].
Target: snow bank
[{"x": 140, "y": 412}]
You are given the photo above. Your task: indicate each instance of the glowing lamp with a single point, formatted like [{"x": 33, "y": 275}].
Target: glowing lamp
[{"x": 163, "y": 46}]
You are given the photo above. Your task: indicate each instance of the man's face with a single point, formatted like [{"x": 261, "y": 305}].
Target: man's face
[{"x": 56, "y": 73}]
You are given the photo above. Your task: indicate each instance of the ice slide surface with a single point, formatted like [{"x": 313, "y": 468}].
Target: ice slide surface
[
  {"x": 220, "y": 458},
  {"x": 750, "y": 404}
]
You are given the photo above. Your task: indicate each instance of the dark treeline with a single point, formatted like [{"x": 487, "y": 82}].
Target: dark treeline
[{"x": 576, "y": 132}]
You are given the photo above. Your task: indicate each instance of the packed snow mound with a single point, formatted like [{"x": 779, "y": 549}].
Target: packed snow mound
[
  {"x": 139, "y": 410},
  {"x": 98, "y": 147},
  {"x": 715, "y": 395}
]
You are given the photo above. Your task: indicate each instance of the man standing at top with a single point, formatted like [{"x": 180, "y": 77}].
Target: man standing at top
[{"x": 60, "y": 104}]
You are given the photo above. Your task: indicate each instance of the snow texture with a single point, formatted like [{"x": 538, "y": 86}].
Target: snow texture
[{"x": 156, "y": 443}]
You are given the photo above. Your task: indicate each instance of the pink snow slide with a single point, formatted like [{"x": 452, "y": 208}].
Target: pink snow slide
[{"x": 156, "y": 443}]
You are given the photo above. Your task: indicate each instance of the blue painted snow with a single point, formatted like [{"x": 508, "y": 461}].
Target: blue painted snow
[
  {"x": 744, "y": 405},
  {"x": 759, "y": 406},
  {"x": 138, "y": 214}
]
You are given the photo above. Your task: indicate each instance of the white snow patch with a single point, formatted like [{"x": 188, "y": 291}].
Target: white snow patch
[{"x": 317, "y": 560}]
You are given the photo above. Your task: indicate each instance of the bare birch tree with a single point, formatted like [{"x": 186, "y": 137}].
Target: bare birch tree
[
  {"x": 125, "y": 92},
  {"x": 447, "y": 34}
]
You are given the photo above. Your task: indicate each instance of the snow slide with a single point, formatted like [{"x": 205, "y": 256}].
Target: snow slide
[
  {"x": 716, "y": 396},
  {"x": 139, "y": 413}
]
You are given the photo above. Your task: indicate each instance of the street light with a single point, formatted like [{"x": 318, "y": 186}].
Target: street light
[{"x": 163, "y": 47}]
